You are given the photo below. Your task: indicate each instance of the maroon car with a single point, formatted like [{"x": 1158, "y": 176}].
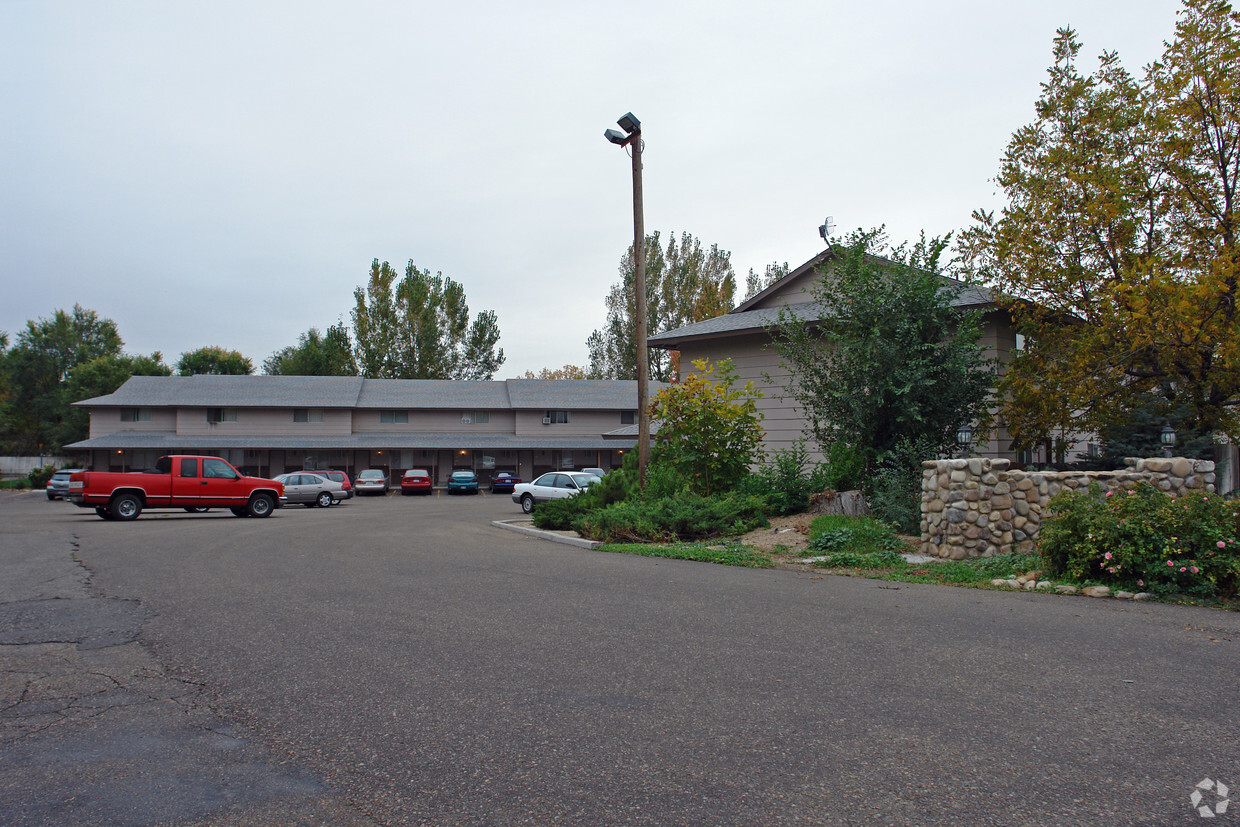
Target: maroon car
[
  {"x": 416, "y": 481},
  {"x": 336, "y": 476}
]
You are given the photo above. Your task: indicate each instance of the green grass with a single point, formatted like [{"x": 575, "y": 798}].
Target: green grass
[
  {"x": 978, "y": 571},
  {"x": 15, "y": 484},
  {"x": 724, "y": 553}
]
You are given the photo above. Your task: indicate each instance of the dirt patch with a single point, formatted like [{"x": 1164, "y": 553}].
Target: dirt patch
[{"x": 792, "y": 533}]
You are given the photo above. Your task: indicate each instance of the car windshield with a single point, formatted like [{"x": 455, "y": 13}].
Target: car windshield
[
  {"x": 584, "y": 480},
  {"x": 462, "y": 475},
  {"x": 370, "y": 475},
  {"x": 415, "y": 473}
]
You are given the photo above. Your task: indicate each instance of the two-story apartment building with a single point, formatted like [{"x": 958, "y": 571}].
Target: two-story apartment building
[
  {"x": 267, "y": 425},
  {"x": 744, "y": 336}
]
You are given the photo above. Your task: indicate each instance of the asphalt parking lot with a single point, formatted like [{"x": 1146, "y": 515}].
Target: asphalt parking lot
[{"x": 400, "y": 660}]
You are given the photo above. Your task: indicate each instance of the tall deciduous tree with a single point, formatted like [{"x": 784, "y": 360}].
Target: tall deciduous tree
[
  {"x": 419, "y": 328},
  {"x": 685, "y": 283},
  {"x": 99, "y": 377},
  {"x": 315, "y": 354},
  {"x": 1118, "y": 247},
  {"x": 566, "y": 372},
  {"x": 213, "y": 359},
  {"x": 37, "y": 367},
  {"x": 891, "y": 361},
  {"x": 756, "y": 282}
]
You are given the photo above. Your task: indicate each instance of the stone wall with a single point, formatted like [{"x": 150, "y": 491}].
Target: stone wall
[{"x": 978, "y": 507}]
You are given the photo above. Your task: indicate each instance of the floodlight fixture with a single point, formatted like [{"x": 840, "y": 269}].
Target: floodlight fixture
[
  {"x": 616, "y": 137},
  {"x": 629, "y": 123}
]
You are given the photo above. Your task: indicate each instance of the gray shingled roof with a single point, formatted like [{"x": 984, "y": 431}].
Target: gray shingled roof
[
  {"x": 746, "y": 321},
  {"x": 209, "y": 390},
  {"x": 734, "y": 322},
  {"x": 355, "y": 392},
  {"x": 172, "y": 443},
  {"x": 432, "y": 393},
  {"x": 575, "y": 394}
]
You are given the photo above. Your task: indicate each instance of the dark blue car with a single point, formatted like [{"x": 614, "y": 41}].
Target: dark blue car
[{"x": 504, "y": 482}]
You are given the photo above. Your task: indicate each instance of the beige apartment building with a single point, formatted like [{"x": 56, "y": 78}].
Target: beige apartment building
[
  {"x": 266, "y": 425},
  {"x": 742, "y": 336}
]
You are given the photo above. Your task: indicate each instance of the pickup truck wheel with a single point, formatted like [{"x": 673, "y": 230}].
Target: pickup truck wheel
[
  {"x": 125, "y": 507},
  {"x": 261, "y": 505},
  {"x": 324, "y": 499},
  {"x": 102, "y": 511},
  {"x": 527, "y": 503}
]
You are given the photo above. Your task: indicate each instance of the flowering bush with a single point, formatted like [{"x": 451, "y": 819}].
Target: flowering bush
[{"x": 1145, "y": 540}]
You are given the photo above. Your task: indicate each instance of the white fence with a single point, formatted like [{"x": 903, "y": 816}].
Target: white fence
[{"x": 21, "y": 466}]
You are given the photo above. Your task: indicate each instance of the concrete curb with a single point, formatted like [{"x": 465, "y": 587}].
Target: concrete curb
[{"x": 514, "y": 525}]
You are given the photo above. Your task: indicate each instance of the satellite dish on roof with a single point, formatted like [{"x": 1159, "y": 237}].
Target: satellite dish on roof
[{"x": 826, "y": 228}]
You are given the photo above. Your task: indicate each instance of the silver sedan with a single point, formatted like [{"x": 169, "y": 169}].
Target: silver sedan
[{"x": 310, "y": 489}]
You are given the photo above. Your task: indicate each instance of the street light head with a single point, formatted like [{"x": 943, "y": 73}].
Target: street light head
[
  {"x": 629, "y": 123},
  {"x": 616, "y": 137}
]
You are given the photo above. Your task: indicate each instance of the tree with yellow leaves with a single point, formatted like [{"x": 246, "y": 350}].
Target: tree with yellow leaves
[{"x": 1117, "y": 250}]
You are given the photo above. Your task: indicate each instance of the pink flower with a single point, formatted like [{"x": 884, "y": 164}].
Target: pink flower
[
  {"x": 1194, "y": 569},
  {"x": 1107, "y": 555},
  {"x": 1221, "y": 544},
  {"x": 1169, "y": 563},
  {"x": 1183, "y": 569},
  {"x": 1140, "y": 582},
  {"x": 1109, "y": 493}
]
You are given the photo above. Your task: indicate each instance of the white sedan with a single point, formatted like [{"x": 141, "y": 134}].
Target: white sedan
[{"x": 554, "y": 485}]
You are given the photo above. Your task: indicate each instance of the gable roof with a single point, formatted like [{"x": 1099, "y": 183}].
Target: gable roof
[
  {"x": 755, "y": 315},
  {"x": 209, "y": 390}
]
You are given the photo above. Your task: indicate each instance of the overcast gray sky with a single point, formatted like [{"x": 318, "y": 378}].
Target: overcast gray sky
[{"x": 223, "y": 173}]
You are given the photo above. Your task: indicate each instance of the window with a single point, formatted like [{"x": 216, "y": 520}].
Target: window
[
  {"x": 307, "y": 414},
  {"x": 221, "y": 414},
  {"x": 394, "y": 417},
  {"x": 556, "y": 417},
  {"x": 475, "y": 417},
  {"x": 1020, "y": 341},
  {"x": 189, "y": 467},
  {"x": 135, "y": 414},
  {"x": 628, "y": 417},
  {"x": 218, "y": 469}
]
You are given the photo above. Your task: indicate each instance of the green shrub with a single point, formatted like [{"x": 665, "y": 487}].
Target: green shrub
[
  {"x": 39, "y": 476},
  {"x": 684, "y": 517},
  {"x": 615, "y": 486},
  {"x": 894, "y": 490},
  {"x": 832, "y": 533},
  {"x": 846, "y": 466},
  {"x": 1144, "y": 539},
  {"x": 787, "y": 481}
]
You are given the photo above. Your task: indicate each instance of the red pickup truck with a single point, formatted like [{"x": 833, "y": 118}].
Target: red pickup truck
[{"x": 192, "y": 483}]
